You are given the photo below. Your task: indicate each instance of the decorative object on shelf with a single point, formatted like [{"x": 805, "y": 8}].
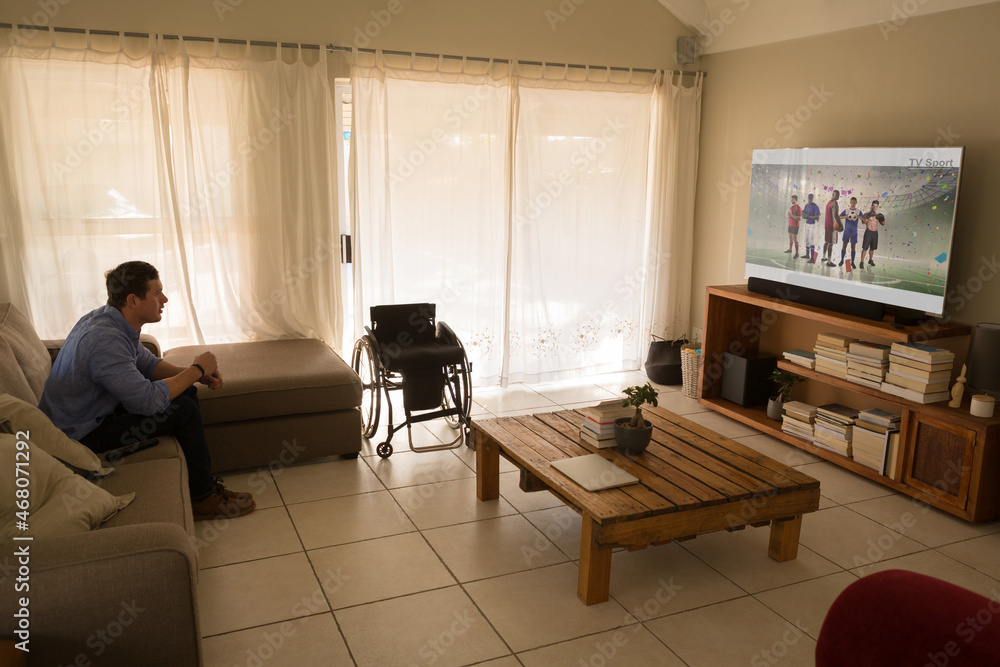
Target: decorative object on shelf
[
  {"x": 690, "y": 368},
  {"x": 785, "y": 382},
  {"x": 957, "y": 390},
  {"x": 663, "y": 361},
  {"x": 634, "y": 433},
  {"x": 984, "y": 360},
  {"x": 982, "y": 406}
]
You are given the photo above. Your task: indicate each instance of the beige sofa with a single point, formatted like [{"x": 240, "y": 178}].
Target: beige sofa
[{"x": 126, "y": 593}]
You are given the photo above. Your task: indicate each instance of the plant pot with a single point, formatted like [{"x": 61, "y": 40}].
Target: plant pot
[
  {"x": 632, "y": 440},
  {"x": 774, "y": 408}
]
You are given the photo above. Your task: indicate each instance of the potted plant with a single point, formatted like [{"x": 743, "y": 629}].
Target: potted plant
[
  {"x": 785, "y": 381},
  {"x": 632, "y": 434}
]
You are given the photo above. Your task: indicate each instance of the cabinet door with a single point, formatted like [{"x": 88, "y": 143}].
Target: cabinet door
[{"x": 939, "y": 459}]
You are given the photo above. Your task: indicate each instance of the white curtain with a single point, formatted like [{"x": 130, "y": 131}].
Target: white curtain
[
  {"x": 430, "y": 223},
  {"x": 674, "y": 169},
  {"x": 214, "y": 163},
  {"x": 520, "y": 203},
  {"x": 581, "y": 153}
]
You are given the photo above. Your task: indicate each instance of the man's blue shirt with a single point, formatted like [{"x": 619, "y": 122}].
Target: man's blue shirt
[
  {"x": 811, "y": 209},
  {"x": 102, "y": 364}
]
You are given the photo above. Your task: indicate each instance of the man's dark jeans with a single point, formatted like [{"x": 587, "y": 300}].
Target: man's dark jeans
[{"x": 181, "y": 419}]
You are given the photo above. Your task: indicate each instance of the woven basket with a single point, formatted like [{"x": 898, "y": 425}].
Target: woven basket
[{"x": 690, "y": 368}]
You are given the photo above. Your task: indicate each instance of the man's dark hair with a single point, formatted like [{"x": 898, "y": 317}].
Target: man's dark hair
[{"x": 129, "y": 278}]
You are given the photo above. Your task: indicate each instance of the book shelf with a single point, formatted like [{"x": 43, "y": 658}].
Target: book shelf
[{"x": 948, "y": 458}]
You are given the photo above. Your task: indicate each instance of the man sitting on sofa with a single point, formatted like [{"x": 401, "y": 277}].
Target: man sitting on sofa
[{"x": 107, "y": 390}]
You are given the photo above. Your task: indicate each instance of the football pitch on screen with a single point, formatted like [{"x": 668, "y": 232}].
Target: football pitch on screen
[{"x": 887, "y": 272}]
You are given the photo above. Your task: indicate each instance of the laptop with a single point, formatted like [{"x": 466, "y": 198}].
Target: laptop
[{"x": 594, "y": 472}]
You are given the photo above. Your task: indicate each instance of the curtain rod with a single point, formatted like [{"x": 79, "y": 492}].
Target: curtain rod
[{"x": 348, "y": 49}]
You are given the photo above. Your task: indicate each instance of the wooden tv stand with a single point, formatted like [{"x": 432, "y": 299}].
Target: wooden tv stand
[{"x": 948, "y": 458}]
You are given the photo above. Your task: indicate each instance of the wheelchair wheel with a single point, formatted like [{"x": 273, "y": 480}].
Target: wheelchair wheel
[
  {"x": 367, "y": 367},
  {"x": 459, "y": 381},
  {"x": 384, "y": 450}
]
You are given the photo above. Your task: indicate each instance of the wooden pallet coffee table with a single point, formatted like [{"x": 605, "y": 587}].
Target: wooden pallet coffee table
[{"x": 691, "y": 481}]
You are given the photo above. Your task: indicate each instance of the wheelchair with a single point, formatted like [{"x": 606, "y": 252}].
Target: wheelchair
[{"x": 406, "y": 349}]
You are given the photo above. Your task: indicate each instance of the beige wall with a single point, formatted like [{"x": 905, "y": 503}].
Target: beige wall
[{"x": 934, "y": 79}]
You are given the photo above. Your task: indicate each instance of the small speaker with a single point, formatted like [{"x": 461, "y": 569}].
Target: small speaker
[
  {"x": 811, "y": 297},
  {"x": 983, "y": 372},
  {"x": 687, "y": 50},
  {"x": 745, "y": 379}
]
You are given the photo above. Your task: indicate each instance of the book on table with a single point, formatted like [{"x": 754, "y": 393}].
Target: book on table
[
  {"x": 606, "y": 412},
  {"x": 600, "y": 441},
  {"x": 597, "y": 429}
]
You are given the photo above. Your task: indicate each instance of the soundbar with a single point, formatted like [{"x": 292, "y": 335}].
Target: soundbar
[{"x": 803, "y": 295}]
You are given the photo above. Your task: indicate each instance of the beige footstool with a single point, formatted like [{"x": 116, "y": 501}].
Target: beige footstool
[{"x": 283, "y": 402}]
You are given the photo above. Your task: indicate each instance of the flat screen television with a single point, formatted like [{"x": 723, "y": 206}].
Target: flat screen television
[{"x": 916, "y": 190}]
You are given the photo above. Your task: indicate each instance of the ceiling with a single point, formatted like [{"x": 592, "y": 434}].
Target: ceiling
[{"x": 725, "y": 25}]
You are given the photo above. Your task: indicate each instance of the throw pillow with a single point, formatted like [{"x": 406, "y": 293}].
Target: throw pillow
[
  {"x": 16, "y": 415},
  {"x": 58, "y": 502}
]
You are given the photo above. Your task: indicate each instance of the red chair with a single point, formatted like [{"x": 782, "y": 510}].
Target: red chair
[{"x": 911, "y": 620}]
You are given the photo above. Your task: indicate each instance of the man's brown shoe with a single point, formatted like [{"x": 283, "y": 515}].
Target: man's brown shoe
[
  {"x": 238, "y": 495},
  {"x": 219, "y": 505}
]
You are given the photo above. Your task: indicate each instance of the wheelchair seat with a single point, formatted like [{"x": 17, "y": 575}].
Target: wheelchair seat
[{"x": 406, "y": 349}]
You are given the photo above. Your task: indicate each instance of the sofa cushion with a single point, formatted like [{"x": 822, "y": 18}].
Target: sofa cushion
[
  {"x": 60, "y": 503},
  {"x": 16, "y": 415},
  {"x": 161, "y": 493},
  {"x": 24, "y": 360},
  {"x": 271, "y": 378}
]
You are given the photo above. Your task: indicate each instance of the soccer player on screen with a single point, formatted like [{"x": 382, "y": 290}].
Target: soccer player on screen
[
  {"x": 851, "y": 217},
  {"x": 870, "y": 241},
  {"x": 832, "y": 215},
  {"x": 811, "y": 214},
  {"x": 794, "y": 213}
]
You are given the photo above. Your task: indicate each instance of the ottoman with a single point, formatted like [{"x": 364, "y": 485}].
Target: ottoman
[{"x": 282, "y": 402}]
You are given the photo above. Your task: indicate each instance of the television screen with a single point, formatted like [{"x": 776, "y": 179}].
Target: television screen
[{"x": 868, "y": 223}]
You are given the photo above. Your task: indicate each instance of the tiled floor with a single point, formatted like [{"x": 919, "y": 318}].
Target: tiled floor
[{"x": 395, "y": 562}]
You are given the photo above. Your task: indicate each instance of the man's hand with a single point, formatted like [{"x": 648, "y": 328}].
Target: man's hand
[
  {"x": 208, "y": 362},
  {"x": 212, "y": 381}
]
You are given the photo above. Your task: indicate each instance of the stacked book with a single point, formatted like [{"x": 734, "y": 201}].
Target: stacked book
[
  {"x": 831, "y": 353},
  {"x": 797, "y": 419},
  {"x": 834, "y": 427},
  {"x": 919, "y": 373},
  {"x": 800, "y": 357},
  {"x": 598, "y": 427},
  {"x": 867, "y": 363},
  {"x": 874, "y": 434}
]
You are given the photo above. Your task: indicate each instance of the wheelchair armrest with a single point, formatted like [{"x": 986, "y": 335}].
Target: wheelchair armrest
[{"x": 445, "y": 333}]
